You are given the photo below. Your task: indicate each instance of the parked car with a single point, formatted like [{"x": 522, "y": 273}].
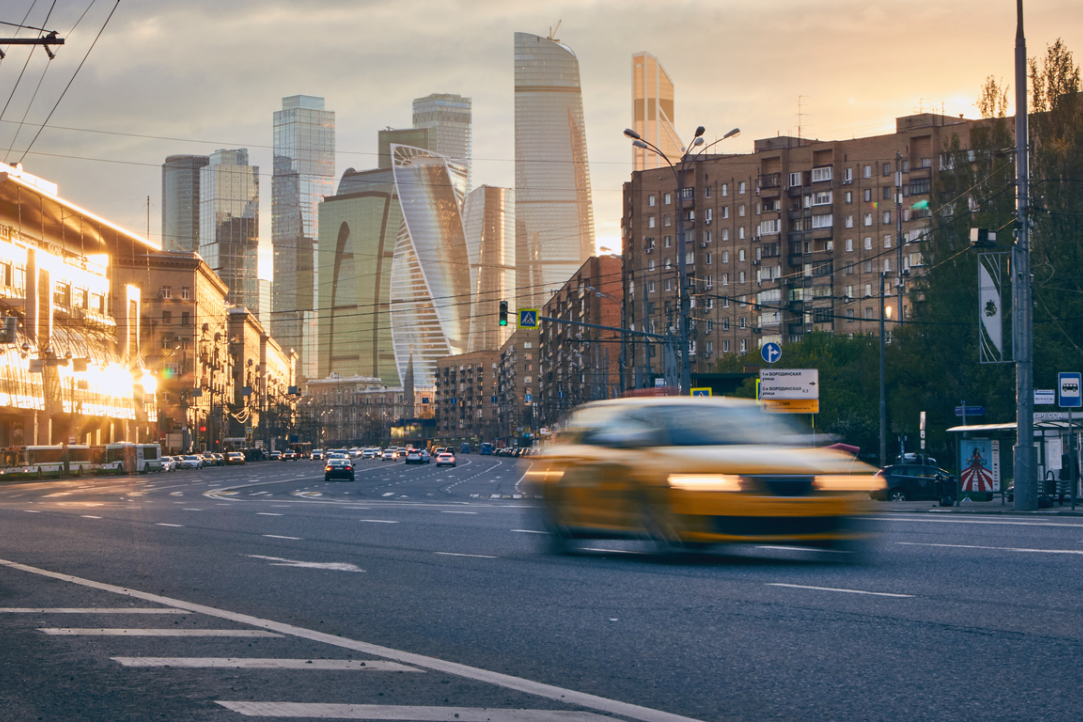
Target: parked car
[
  {"x": 289, "y": 456},
  {"x": 275, "y": 455},
  {"x": 338, "y": 469},
  {"x": 317, "y": 454},
  {"x": 234, "y": 458},
  {"x": 445, "y": 459},
  {"x": 219, "y": 459},
  {"x": 915, "y": 482},
  {"x": 191, "y": 461},
  {"x": 169, "y": 463}
]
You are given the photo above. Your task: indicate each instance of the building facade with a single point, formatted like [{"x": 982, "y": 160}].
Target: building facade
[
  {"x": 356, "y": 410},
  {"x": 786, "y": 240},
  {"x": 517, "y": 384},
  {"x": 578, "y": 363},
  {"x": 490, "y": 247},
  {"x": 449, "y": 118},
  {"x": 229, "y": 223},
  {"x": 466, "y": 395},
  {"x": 652, "y": 112},
  {"x": 553, "y": 212},
  {"x": 304, "y": 172},
  {"x": 180, "y": 201}
]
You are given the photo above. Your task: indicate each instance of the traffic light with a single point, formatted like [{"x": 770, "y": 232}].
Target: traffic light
[{"x": 503, "y": 313}]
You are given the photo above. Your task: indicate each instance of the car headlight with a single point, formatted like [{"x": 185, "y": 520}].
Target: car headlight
[
  {"x": 705, "y": 482},
  {"x": 849, "y": 482}
]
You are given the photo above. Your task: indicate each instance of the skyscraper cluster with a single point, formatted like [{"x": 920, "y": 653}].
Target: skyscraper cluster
[{"x": 404, "y": 263}]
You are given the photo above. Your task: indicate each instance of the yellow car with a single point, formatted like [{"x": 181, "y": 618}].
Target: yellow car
[{"x": 694, "y": 471}]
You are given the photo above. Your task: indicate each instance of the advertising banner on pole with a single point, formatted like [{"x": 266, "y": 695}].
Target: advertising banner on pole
[{"x": 976, "y": 461}]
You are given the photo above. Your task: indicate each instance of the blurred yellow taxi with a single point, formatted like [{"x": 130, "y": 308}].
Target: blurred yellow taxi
[{"x": 693, "y": 471}]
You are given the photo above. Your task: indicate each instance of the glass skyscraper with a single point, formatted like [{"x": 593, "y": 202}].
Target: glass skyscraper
[
  {"x": 304, "y": 169},
  {"x": 180, "y": 202},
  {"x": 229, "y": 223},
  {"x": 489, "y": 220},
  {"x": 449, "y": 116},
  {"x": 652, "y": 112},
  {"x": 553, "y": 213}
]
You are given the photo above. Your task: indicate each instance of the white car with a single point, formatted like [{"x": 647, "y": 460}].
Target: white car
[
  {"x": 369, "y": 453},
  {"x": 169, "y": 463},
  {"x": 317, "y": 455},
  {"x": 389, "y": 455},
  {"x": 191, "y": 461},
  {"x": 445, "y": 459}
]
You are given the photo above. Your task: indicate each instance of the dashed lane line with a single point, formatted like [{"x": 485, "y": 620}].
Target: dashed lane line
[
  {"x": 276, "y": 536},
  {"x": 372, "y": 665},
  {"x": 1076, "y": 552},
  {"x": 378, "y": 521},
  {"x": 138, "y": 632},
  {"x": 843, "y": 591},
  {"x": 507, "y": 681},
  {"x": 92, "y": 610},
  {"x": 326, "y": 710},
  {"x": 457, "y": 554},
  {"x": 177, "y": 526}
]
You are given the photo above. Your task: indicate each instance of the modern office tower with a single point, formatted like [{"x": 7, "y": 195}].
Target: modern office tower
[
  {"x": 264, "y": 311},
  {"x": 449, "y": 116},
  {"x": 358, "y": 229},
  {"x": 180, "y": 202},
  {"x": 553, "y": 213},
  {"x": 652, "y": 112},
  {"x": 489, "y": 219},
  {"x": 430, "y": 275},
  {"x": 304, "y": 170},
  {"x": 414, "y": 137},
  {"x": 229, "y": 223}
]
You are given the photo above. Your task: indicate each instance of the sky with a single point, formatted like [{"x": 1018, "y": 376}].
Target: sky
[{"x": 168, "y": 77}]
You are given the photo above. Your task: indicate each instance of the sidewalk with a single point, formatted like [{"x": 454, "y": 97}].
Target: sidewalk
[{"x": 975, "y": 507}]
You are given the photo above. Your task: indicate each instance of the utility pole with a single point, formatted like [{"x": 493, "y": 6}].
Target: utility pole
[
  {"x": 46, "y": 40},
  {"x": 1026, "y": 491},
  {"x": 899, "y": 235},
  {"x": 883, "y": 401}
]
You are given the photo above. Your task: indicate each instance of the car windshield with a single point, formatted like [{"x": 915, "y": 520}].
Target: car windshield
[
  {"x": 337, "y": 462},
  {"x": 684, "y": 425}
]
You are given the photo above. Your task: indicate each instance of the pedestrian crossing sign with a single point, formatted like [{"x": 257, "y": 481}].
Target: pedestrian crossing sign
[
  {"x": 528, "y": 318},
  {"x": 701, "y": 391}
]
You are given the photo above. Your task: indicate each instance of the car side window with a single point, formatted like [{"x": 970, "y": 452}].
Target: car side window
[{"x": 622, "y": 430}]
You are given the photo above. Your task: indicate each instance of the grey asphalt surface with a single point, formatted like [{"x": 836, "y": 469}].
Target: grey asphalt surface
[{"x": 952, "y": 616}]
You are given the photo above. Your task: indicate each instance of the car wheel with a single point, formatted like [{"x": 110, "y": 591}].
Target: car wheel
[
  {"x": 662, "y": 530},
  {"x": 326, "y": 478},
  {"x": 352, "y": 478},
  {"x": 896, "y": 495}
]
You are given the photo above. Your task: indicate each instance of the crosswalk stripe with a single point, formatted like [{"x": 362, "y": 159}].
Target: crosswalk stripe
[
  {"x": 89, "y": 610},
  {"x": 372, "y": 665},
  {"x": 415, "y": 714},
  {"x": 111, "y": 632}
]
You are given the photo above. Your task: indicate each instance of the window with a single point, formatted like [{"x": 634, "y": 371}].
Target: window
[
  {"x": 725, "y": 279},
  {"x": 725, "y": 256},
  {"x": 771, "y": 227},
  {"x": 850, "y": 244},
  {"x": 742, "y": 322},
  {"x": 868, "y": 290},
  {"x": 708, "y": 281},
  {"x": 706, "y": 191},
  {"x": 868, "y": 267},
  {"x": 868, "y": 219},
  {"x": 725, "y": 234},
  {"x": 668, "y": 263},
  {"x": 849, "y": 197},
  {"x": 868, "y": 314},
  {"x": 849, "y": 221},
  {"x": 850, "y": 315},
  {"x": 821, "y": 174},
  {"x": 887, "y": 217},
  {"x": 795, "y": 180},
  {"x": 686, "y": 193},
  {"x": 885, "y": 169},
  {"x": 868, "y": 195},
  {"x": 741, "y": 233},
  {"x": 920, "y": 186},
  {"x": 725, "y": 347},
  {"x": 725, "y": 189},
  {"x": 167, "y": 317},
  {"x": 740, "y": 277},
  {"x": 725, "y": 303},
  {"x": 186, "y": 293},
  {"x": 690, "y": 258},
  {"x": 667, "y": 241},
  {"x": 741, "y": 210},
  {"x": 741, "y": 186},
  {"x": 822, "y": 221},
  {"x": 886, "y": 193},
  {"x": 707, "y": 258},
  {"x": 708, "y": 216},
  {"x": 667, "y": 220},
  {"x": 887, "y": 265},
  {"x": 744, "y": 345},
  {"x": 650, "y": 265},
  {"x": 725, "y": 324},
  {"x": 867, "y": 171},
  {"x": 709, "y": 347},
  {"x": 849, "y": 292},
  {"x": 757, "y": 208},
  {"x": 887, "y": 240},
  {"x": 650, "y": 287},
  {"x": 821, "y": 198},
  {"x": 651, "y": 221},
  {"x": 848, "y": 176},
  {"x": 650, "y": 201},
  {"x": 667, "y": 198},
  {"x": 725, "y": 212},
  {"x": 741, "y": 255},
  {"x": 868, "y": 243},
  {"x": 166, "y": 292},
  {"x": 850, "y": 268}
]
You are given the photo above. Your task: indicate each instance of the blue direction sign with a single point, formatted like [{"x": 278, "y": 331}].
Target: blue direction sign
[
  {"x": 528, "y": 318},
  {"x": 529, "y": 398},
  {"x": 970, "y": 411},
  {"x": 1069, "y": 385},
  {"x": 771, "y": 352}
]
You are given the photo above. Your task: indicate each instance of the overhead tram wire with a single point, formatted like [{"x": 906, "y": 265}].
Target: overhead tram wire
[
  {"x": 37, "y": 87},
  {"x": 21, "y": 72}
]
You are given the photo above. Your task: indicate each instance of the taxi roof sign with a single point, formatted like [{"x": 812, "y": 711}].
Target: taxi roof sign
[{"x": 528, "y": 317}]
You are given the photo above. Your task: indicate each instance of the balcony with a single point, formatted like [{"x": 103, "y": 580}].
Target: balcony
[{"x": 770, "y": 180}]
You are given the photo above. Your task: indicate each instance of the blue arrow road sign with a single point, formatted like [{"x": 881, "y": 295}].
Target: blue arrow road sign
[
  {"x": 1069, "y": 385},
  {"x": 771, "y": 352},
  {"x": 970, "y": 411}
]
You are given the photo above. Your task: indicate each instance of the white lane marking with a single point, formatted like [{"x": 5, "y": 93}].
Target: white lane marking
[
  {"x": 112, "y": 632},
  {"x": 326, "y": 710},
  {"x": 974, "y": 521},
  {"x": 162, "y": 523},
  {"x": 329, "y": 566},
  {"x": 90, "y": 610},
  {"x": 276, "y": 536},
  {"x": 190, "y": 508},
  {"x": 33, "y": 511},
  {"x": 378, "y": 521},
  {"x": 833, "y": 589},
  {"x": 456, "y": 554},
  {"x": 267, "y": 513},
  {"x": 444, "y": 511},
  {"x": 88, "y": 516},
  {"x": 372, "y": 665},
  {"x": 611, "y": 551},
  {"x": 529, "y": 531},
  {"x": 998, "y": 549},
  {"x": 803, "y": 549},
  {"x": 507, "y": 681}
]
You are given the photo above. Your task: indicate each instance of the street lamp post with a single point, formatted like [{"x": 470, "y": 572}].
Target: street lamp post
[{"x": 680, "y": 171}]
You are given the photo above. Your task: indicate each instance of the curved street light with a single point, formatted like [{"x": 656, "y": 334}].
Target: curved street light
[{"x": 680, "y": 170}]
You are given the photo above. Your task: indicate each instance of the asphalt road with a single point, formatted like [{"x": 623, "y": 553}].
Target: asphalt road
[{"x": 417, "y": 593}]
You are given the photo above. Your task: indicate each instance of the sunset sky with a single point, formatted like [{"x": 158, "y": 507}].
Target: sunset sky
[{"x": 195, "y": 76}]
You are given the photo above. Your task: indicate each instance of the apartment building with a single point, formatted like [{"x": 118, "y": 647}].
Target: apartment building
[
  {"x": 786, "y": 240},
  {"x": 355, "y": 410},
  {"x": 578, "y": 363},
  {"x": 466, "y": 396},
  {"x": 517, "y": 373}
]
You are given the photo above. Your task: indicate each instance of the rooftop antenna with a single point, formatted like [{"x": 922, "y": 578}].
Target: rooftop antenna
[
  {"x": 799, "y": 116},
  {"x": 553, "y": 31}
]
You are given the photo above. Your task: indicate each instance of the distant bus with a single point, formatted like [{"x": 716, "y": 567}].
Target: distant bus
[
  {"x": 486, "y": 449},
  {"x": 465, "y": 448}
]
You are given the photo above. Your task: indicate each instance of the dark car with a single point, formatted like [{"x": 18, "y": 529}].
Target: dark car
[
  {"x": 338, "y": 469},
  {"x": 915, "y": 482}
]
